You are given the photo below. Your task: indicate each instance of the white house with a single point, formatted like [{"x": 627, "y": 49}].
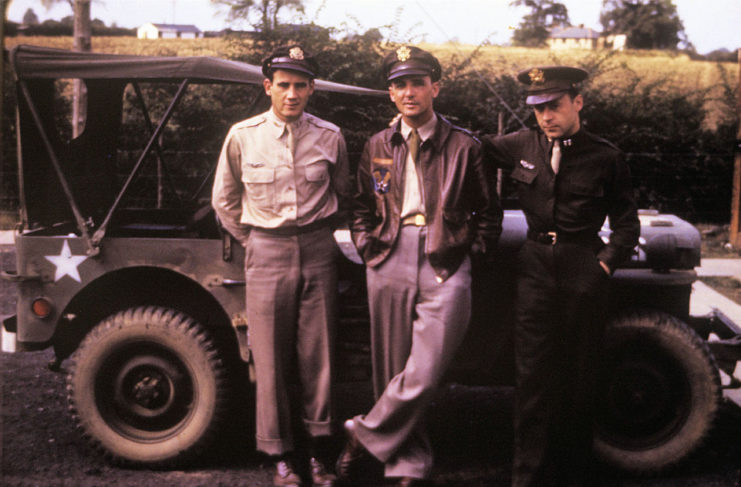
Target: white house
[
  {"x": 584, "y": 38},
  {"x": 168, "y": 31}
]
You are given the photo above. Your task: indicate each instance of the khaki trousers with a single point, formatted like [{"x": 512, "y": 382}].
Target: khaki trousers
[
  {"x": 417, "y": 325},
  {"x": 291, "y": 316}
]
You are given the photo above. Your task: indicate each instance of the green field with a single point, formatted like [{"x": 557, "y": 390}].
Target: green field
[
  {"x": 675, "y": 68},
  {"x": 613, "y": 70}
]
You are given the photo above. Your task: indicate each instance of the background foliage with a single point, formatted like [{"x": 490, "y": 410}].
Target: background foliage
[{"x": 673, "y": 116}]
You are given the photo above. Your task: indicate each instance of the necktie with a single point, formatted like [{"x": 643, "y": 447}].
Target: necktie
[
  {"x": 291, "y": 139},
  {"x": 414, "y": 145},
  {"x": 556, "y": 156}
]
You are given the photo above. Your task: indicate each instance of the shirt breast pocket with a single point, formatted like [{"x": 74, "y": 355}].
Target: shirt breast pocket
[
  {"x": 259, "y": 184},
  {"x": 317, "y": 172}
]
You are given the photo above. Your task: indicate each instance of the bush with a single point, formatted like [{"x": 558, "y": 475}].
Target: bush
[{"x": 678, "y": 138}]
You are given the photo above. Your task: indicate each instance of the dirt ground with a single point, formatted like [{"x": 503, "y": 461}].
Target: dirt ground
[{"x": 470, "y": 427}]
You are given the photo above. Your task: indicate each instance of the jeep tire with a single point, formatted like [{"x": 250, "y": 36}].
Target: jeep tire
[
  {"x": 147, "y": 387},
  {"x": 658, "y": 394}
]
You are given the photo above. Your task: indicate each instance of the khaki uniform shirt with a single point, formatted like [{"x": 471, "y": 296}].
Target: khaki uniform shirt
[{"x": 266, "y": 178}]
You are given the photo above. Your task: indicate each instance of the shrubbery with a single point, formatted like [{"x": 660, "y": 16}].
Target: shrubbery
[{"x": 680, "y": 156}]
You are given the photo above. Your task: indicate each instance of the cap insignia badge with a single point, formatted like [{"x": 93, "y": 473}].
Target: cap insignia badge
[
  {"x": 403, "y": 53},
  {"x": 536, "y": 76},
  {"x": 296, "y": 53}
]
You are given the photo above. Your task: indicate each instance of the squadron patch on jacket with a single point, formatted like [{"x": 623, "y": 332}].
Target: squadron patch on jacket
[
  {"x": 381, "y": 180},
  {"x": 526, "y": 164}
]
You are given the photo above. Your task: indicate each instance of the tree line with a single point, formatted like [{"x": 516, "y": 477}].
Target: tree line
[{"x": 679, "y": 163}]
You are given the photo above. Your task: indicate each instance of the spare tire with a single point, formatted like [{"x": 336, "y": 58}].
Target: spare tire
[{"x": 658, "y": 394}]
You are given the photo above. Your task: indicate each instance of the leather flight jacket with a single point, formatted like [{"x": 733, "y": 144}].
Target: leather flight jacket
[{"x": 461, "y": 206}]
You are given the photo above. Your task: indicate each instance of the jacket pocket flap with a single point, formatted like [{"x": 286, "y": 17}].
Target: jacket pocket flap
[{"x": 524, "y": 175}]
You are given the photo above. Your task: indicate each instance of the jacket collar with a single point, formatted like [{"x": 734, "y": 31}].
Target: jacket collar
[
  {"x": 442, "y": 130},
  {"x": 573, "y": 140}
]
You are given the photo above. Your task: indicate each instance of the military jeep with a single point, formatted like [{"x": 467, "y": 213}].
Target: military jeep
[{"x": 122, "y": 267}]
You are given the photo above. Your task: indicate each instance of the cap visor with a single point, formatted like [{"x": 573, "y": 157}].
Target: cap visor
[
  {"x": 543, "y": 98},
  {"x": 293, "y": 67},
  {"x": 408, "y": 72}
]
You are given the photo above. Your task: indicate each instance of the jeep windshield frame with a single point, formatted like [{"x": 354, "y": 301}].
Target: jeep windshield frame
[{"x": 106, "y": 77}]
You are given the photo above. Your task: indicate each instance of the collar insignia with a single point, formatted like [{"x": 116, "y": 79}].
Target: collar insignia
[
  {"x": 403, "y": 53},
  {"x": 567, "y": 142},
  {"x": 296, "y": 53},
  {"x": 526, "y": 164},
  {"x": 537, "y": 76}
]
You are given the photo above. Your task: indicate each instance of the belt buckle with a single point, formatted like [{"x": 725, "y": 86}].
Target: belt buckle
[
  {"x": 419, "y": 220},
  {"x": 554, "y": 237}
]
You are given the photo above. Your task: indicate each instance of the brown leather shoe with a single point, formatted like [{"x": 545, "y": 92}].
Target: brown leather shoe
[
  {"x": 319, "y": 475},
  {"x": 285, "y": 476},
  {"x": 351, "y": 453}
]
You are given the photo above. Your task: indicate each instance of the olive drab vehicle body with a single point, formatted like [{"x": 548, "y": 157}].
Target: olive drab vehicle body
[{"x": 122, "y": 268}]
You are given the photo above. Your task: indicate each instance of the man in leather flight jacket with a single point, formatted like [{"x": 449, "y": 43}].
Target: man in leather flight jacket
[{"x": 424, "y": 200}]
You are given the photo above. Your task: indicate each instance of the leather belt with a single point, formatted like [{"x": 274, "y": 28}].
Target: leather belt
[
  {"x": 551, "y": 238},
  {"x": 293, "y": 230},
  {"x": 418, "y": 220}
]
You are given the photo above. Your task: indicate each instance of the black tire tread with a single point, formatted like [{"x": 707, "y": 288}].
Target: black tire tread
[
  {"x": 655, "y": 461},
  {"x": 170, "y": 320}
]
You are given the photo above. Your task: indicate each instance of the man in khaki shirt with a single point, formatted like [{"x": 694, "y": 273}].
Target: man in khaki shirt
[{"x": 281, "y": 183}]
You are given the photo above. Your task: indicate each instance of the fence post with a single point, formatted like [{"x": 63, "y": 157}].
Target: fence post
[{"x": 733, "y": 234}]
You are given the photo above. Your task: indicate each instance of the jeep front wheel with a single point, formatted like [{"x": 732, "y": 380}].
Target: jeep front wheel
[
  {"x": 148, "y": 387},
  {"x": 658, "y": 395}
]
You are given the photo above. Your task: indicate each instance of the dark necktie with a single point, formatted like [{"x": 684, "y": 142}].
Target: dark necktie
[{"x": 414, "y": 143}]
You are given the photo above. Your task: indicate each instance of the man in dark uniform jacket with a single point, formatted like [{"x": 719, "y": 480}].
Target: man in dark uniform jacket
[
  {"x": 568, "y": 181},
  {"x": 423, "y": 200}
]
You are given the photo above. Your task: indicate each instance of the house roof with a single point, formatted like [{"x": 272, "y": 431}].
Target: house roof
[
  {"x": 574, "y": 33},
  {"x": 178, "y": 28}
]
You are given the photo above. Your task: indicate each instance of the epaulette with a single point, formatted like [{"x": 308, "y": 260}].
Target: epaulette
[
  {"x": 599, "y": 140},
  {"x": 251, "y": 122},
  {"x": 318, "y": 122},
  {"x": 465, "y": 131}
]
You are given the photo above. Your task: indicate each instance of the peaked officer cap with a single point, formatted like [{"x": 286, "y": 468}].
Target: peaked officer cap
[
  {"x": 293, "y": 58},
  {"x": 546, "y": 83}
]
